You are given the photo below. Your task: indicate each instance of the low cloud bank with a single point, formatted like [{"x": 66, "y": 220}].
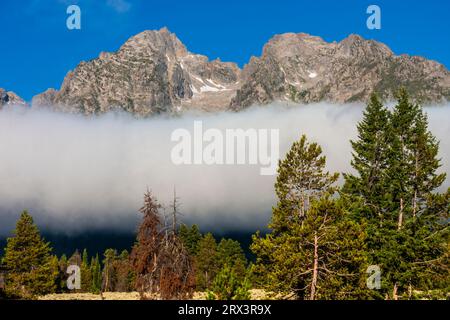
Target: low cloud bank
[{"x": 73, "y": 173}]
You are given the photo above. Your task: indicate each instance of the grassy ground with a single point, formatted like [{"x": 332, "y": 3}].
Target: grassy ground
[{"x": 256, "y": 294}]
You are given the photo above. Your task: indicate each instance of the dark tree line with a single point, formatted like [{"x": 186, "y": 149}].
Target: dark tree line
[{"x": 166, "y": 262}]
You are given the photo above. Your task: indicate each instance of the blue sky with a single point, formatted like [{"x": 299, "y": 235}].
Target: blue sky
[{"x": 37, "y": 49}]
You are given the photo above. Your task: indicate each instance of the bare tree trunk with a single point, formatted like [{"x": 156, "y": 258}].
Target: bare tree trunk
[
  {"x": 315, "y": 267},
  {"x": 415, "y": 204},
  {"x": 400, "y": 215},
  {"x": 106, "y": 277},
  {"x": 394, "y": 292},
  {"x": 174, "y": 220},
  {"x": 415, "y": 176},
  {"x": 302, "y": 206}
]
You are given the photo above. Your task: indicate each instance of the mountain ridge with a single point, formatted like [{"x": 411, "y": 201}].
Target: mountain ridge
[
  {"x": 10, "y": 98},
  {"x": 153, "y": 72}
]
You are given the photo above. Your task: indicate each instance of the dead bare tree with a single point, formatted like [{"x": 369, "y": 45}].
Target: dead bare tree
[
  {"x": 175, "y": 211},
  {"x": 162, "y": 265}
]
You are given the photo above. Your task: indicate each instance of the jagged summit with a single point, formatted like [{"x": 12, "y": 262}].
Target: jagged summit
[
  {"x": 156, "y": 40},
  {"x": 304, "y": 68},
  {"x": 153, "y": 72},
  {"x": 10, "y": 98}
]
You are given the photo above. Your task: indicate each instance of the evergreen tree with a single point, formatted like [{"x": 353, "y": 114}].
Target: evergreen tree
[
  {"x": 370, "y": 160},
  {"x": 124, "y": 272},
  {"x": 191, "y": 238},
  {"x": 320, "y": 257},
  {"x": 85, "y": 257},
  {"x": 31, "y": 268},
  {"x": 54, "y": 267},
  {"x": 63, "y": 262},
  {"x": 206, "y": 261},
  {"x": 230, "y": 252},
  {"x": 61, "y": 281},
  {"x": 366, "y": 193},
  {"x": 314, "y": 249},
  {"x": 227, "y": 286},
  {"x": 183, "y": 232},
  {"x": 404, "y": 235},
  {"x": 413, "y": 159},
  {"x": 96, "y": 272},
  {"x": 109, "y": 272},
  {"x": 413, "y": 171},
  {"x": 86, "y": 275},
  {"x": 301, "y": 178},
  {"x": 433, "y": 267}
]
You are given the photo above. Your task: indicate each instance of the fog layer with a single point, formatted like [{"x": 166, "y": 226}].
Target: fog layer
[{"x": 75, "y": 173}]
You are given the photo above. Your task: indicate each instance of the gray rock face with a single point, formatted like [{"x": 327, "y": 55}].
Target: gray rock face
[
  {"x": 10, "y": 98},
  {"x": 153, "y": 73},
  {"x": 304, "y": 68}
]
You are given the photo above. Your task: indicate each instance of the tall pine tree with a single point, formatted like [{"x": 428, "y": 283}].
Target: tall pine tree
[
  {"x": 313, "y": 250},
  {"x": 370, "y": 160},
  {"x": 96, "y": 272},
  {"x": 206, "y": 261},
  {"x": 32, "y": 270},
  {"x": 301, "y": 178},
  {"x": 86, "y": 275},
  {"x": 396, "y": 150},
  {"x": 413, "y": 165}
]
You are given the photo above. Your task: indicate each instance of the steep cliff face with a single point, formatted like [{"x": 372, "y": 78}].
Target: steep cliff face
[
  {"x": 154, "y": 73},
  {"x": 304, "y": 68}
]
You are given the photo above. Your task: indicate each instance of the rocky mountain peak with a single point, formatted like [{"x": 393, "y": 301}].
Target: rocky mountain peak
[
  {"x": 356, "y": 46},
  {"x": 155, "y": 41},
  {"x": 304, "y": 69},
  {"x": 153, "y": 72},
  {"x": 293, "y": 44},
  {"x": 10, "y": 98}
]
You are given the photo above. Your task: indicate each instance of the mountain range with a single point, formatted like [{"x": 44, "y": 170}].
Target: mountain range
[{"x": 153, "y": 73}]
